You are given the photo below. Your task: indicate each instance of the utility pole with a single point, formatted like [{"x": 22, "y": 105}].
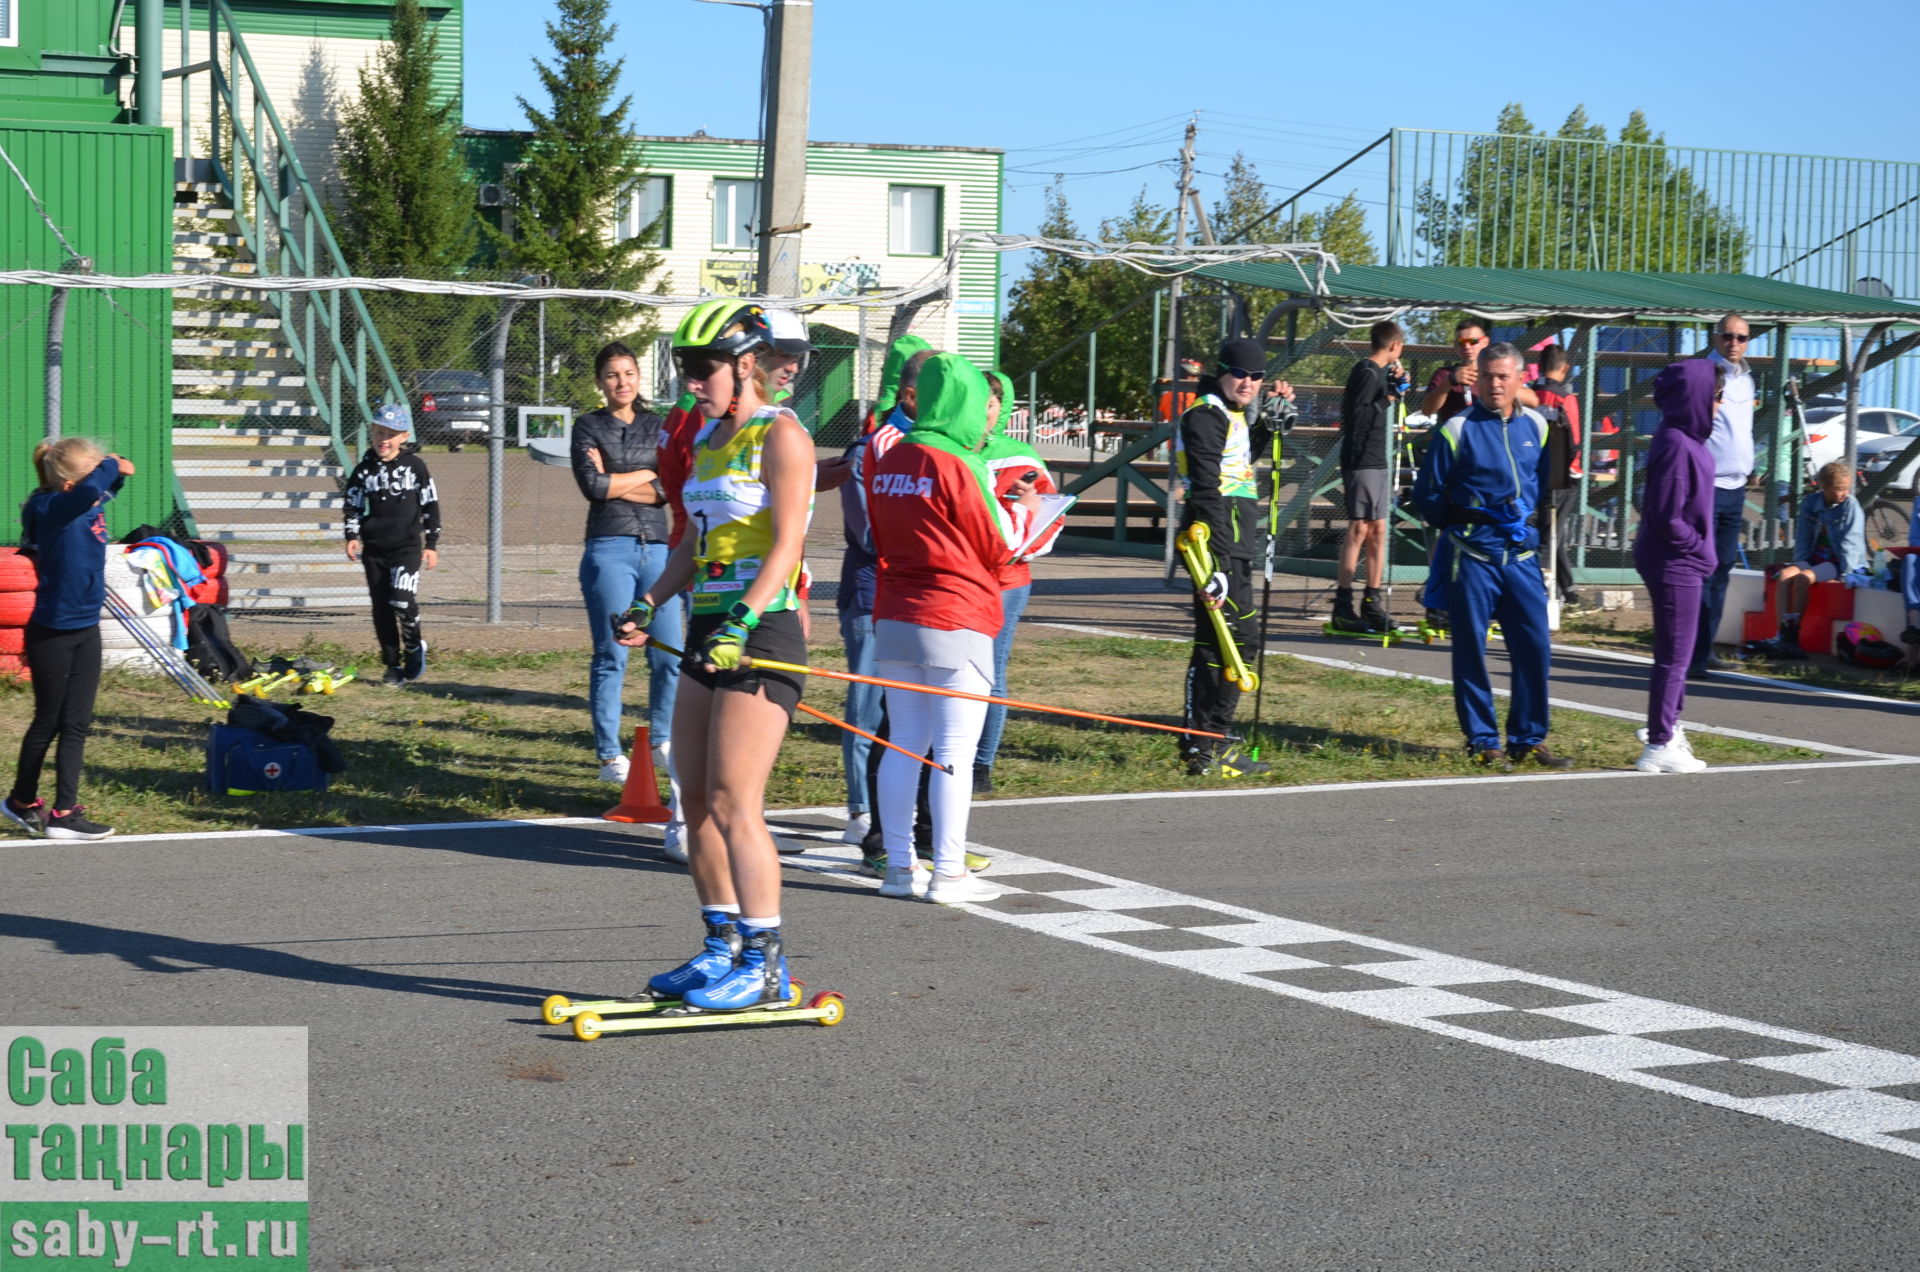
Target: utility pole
[
  {"x": 783, "y": 189},
  {"x": 1172, "y": 360}
]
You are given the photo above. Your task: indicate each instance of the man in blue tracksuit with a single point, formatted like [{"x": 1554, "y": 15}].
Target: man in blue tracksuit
[{"x": 1479, "y": 486}]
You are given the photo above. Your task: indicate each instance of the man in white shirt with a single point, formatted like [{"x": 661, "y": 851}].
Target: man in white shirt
[{"x": 1731, "y": 446}]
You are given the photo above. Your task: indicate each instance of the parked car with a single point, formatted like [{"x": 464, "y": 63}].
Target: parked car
[
  {"x": 451, "y": 407},
  {"x": 1882, "y": 428}
]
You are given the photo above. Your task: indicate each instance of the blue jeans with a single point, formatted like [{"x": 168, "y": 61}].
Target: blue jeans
[
  {"x": 863, "y": 707},
  {"x": 1013, "y": 603},
  {"x": 1729, "y": 514},
  {"x": 613, "y": 571}
]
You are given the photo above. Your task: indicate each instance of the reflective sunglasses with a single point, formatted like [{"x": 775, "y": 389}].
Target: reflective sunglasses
[
  {"x": 699, "y": 366},
  {"x": 1741, "y": 336},
  {"x": 1238, "y": 374}
]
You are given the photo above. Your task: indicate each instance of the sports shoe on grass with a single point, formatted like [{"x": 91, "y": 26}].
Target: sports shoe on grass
[
  {"x": 1492, "y": 757},
  {"x": 1678, "y": 739},
  {"x": 73, "y": 824},
  {"x": 31, "y": 818},
  {"x": 394, "y": 678},
  {"x": 961, "y": 889},
  {"x": 1537, "y": 753},
  {"x": 1674, "y": 757},
  {"x": 615, "y": 770},
  {"x": 414, "y": 661}
]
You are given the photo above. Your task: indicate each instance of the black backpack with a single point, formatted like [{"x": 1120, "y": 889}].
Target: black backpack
[{"x": 210, "y": 647}]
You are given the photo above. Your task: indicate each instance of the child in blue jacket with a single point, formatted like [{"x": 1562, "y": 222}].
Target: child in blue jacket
[{"x": 62, "y": 523}]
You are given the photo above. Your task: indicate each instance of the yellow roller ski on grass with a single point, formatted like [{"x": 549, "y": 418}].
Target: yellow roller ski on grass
[{"x": 1192, "y": 543}]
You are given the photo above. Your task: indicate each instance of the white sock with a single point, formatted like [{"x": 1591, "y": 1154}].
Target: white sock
[
  {"x": 773, "y": 922},
  {"x": 731, "y": 907}
]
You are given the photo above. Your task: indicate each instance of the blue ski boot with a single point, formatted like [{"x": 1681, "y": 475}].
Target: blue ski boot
[
  {"x": 758, "y": 978},
  {"x": 717, "y": 957}
]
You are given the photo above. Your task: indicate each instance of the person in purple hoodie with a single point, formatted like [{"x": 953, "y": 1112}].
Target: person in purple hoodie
[{"x": 1674, "y": 552}]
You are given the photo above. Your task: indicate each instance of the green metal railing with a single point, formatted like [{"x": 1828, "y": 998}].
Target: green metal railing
[{"x": 331, "y": 334}]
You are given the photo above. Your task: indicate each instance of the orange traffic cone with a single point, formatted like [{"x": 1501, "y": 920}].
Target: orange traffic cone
[{"x": 640, "y": 797}]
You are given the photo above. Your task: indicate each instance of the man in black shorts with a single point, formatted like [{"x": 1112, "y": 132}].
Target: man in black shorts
[{"x": 1366, "y": 433}]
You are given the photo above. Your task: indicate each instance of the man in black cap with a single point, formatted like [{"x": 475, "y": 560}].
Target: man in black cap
[{"x": 1214, "y": 450}]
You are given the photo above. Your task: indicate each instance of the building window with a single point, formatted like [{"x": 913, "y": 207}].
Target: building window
[
  {"x": 648, "y": 205},
  {"x": 9, "y": 23},
  {"x": 913, "y": 220},
  {"x": 736, "y": 212}
]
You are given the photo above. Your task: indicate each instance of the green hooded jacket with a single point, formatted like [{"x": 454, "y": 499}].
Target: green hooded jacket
[
  {"x": 953, "y": 419},
  {"x": 903, "y": 348},
  {"x": 999, "y": 445}
]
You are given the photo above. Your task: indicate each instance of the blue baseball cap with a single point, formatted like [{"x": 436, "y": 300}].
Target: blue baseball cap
[{"x": 394, "y": 418}]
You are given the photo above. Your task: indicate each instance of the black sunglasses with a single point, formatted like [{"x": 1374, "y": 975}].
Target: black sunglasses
[
  {"x": 1238, "y": 374},
  {"x": 1733, "y": 335}
]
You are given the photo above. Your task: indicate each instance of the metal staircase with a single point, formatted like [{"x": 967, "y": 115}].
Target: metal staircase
[{"x": 271, "y": 390}]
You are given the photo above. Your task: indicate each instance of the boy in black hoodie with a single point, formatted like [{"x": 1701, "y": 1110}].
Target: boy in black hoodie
[{"x": 393, "y": 529}]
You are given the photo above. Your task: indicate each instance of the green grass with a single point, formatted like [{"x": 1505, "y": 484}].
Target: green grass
[{"x": 505, "y": 735}]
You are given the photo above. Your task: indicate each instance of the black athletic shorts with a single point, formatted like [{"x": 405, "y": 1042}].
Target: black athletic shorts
[{"x": 778, "y": 637}]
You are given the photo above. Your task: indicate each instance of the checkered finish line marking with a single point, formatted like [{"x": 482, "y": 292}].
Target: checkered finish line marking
[{"x": 1861, "y": 1094}]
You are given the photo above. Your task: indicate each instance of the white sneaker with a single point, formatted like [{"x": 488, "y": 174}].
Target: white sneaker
[
  {"x": 615, "y": 770},
  {"x": 962, "y": 889},
  {"x": 857, "y": 830},
  {"x": 1679, "y": 738},
  {"x": 674, "y": 846},
  {"x": 899, "y": 883},
  {"x": 1671, "y": 758}
]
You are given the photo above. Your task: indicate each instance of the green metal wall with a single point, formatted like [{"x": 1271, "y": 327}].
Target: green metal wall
[
  {"x": 62, "y": 68},
  {"x": 108, "y": 189}
]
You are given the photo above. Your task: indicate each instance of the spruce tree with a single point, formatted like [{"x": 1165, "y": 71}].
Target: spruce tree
[
  {"x": 578, "y": 166},
  {"x": 409, "y": 203},
  {"x": 407, "y": 207}
]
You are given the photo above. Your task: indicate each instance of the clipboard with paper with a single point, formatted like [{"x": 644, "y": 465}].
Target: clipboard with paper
[{"x": 1052, "y": 508}]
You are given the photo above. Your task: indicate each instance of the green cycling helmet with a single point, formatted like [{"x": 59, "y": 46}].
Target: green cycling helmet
[{"x": 725, "y": 328}]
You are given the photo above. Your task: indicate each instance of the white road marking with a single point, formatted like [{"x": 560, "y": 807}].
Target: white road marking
[
  {"x": 1786, "y": 1076},
  {"x": 1566, "y": 704},
  {"x": 318, "y": 831},
  {"x": 1747, "y": 677}
]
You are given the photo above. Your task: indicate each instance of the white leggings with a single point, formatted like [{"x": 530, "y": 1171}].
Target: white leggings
[{"x": 950, "y": 729}]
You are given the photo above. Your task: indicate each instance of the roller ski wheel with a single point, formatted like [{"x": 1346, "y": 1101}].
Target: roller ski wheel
[
  {"x": 827, "y": 1008},
  {"x": 831, "y": 1006}
]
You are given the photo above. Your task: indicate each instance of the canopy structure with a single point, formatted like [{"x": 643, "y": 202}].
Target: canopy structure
[{"x": 1362, "y": 294}]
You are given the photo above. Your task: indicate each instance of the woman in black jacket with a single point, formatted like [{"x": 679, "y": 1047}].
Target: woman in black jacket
[{"x": 615, "y": 463}]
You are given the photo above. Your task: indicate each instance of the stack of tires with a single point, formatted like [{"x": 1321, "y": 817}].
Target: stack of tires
[
  {"x": 212, "y": 556},
  {"x": 18, "y": 579}
]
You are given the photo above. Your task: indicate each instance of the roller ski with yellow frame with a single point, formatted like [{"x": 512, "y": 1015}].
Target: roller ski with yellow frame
[
  {"x": 734, "y": 980},
  {"x": 1193, "y": 545}
]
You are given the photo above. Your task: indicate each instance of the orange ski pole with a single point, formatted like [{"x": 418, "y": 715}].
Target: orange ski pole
[
  {"x": 818, "y": 714},
  {"x": 851, "y": 678}
]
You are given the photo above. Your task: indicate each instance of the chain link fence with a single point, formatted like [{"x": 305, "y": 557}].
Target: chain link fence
[{"x": 246, "y": 437}]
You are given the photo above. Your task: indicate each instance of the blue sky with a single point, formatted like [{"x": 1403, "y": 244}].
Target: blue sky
[{"x": 1297, "y": 87}]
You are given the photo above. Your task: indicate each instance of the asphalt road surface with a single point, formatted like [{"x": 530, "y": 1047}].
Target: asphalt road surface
[{"x": 1540, "y": 1024}]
